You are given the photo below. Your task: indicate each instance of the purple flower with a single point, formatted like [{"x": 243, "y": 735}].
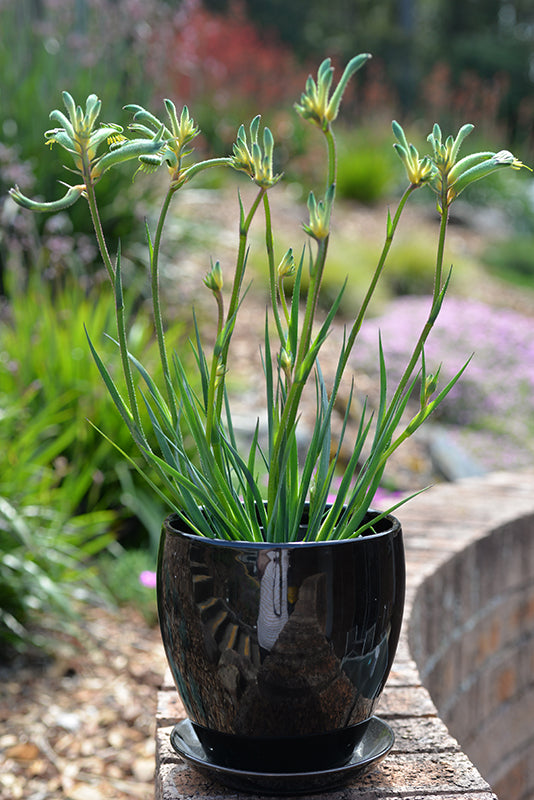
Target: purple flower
[
  {"x": 148, "y": 578},
  {"x": 489, "y": 411}
]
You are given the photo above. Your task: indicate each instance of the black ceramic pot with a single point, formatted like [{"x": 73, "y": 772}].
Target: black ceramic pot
[{"x": 280, "y": 652}]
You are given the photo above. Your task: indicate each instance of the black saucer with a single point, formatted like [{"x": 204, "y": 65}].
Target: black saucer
[{"x": 375, "y": 744}]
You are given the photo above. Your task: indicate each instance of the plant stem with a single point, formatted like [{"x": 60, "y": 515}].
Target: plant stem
[
  {"x": 332, "y": 158},
  {"x": 431, "y": 317},
  {"x": 156, "y": 305},
  {"x": 296, "y": 387},
  {"x": 272, "y": 271},
  {"x": 317, "y": 270},
  {"x": 119, "y": 304},
  {"x": 377, "y": 273},
  {"x": 220, "y": 360}
]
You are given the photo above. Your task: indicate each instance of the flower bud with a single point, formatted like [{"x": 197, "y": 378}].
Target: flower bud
[
  {"x": 214, "y": 278},
  {"x": 431, "y": 384},
  {"x": 286, "y": 268},
  {"x": 220, "y": 373},
  {"x": 419, "y": 170},
  {"x": 319, "y": 227},
  {"x": 286, "y": 362}
]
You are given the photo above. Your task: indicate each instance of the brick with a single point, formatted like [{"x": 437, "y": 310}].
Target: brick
[
  {"x": 476, "y": 795},
  {"x": 504, "y": 733},
  {"x": 164, "y": 750},
  {"x": 412, "y": 774},
  {"x": 449, "y": 776},
  {"x": 445, "y": 676},
  {"x": 527, "y": 610},
  {"x": 513, "y": 784},
  {"x": 462, "y": 712},
  {"x": 170, "y": 708},
  {"x": 168, "y": 682},
  {"x": 398, "y": 701},
  {"x": 422, "y": 735},
  {"x": 404, "y": 671}
]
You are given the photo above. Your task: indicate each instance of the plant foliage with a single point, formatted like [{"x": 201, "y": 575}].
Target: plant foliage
[
  {"x": 219, "y": 491},
  {"x": 46, "y": 545}
]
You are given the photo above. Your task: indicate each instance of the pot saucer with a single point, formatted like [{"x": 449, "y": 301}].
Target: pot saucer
[{"x": 374, "y": 746}]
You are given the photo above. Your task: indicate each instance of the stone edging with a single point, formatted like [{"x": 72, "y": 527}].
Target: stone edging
[{"x": 426, "y": 763}]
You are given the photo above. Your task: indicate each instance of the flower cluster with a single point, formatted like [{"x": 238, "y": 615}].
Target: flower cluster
[{"x": 250, "y": 158}]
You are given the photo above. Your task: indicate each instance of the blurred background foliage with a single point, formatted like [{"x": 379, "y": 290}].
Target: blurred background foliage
[{"x": 64, "y": 495}]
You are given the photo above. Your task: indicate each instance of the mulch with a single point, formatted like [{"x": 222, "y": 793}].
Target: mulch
[{"x": 80, "y": 725}]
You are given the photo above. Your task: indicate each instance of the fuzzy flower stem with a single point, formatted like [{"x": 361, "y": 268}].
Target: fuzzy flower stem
[
  {"x": 272, "y": 271},
  {"x": 291, "y": 406},
  {"x": 282, "y": 296},
  {"x": 156, "y": 304},
  {"x": 194, "y": 169},
  {"x": 436, "y": 301},
  {"x": 392, "y": 227},
  {"x": 290, "y": 410},
  {"x": 154, "y": 272},
  {"x": 119, "y": 304},
  {"x": 215, "y": 408},
  {"x": 331, "y": 150},
  {"x": 316, "y": 275}
]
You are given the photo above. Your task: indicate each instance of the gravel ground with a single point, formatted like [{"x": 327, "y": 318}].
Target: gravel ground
[{"x": 81, "y": 726}]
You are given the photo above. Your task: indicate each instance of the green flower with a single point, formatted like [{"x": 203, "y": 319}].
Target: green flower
[
  {"x": 453, "y": 176},
  {"x": 316, "y": 105},
  {"x": 419, "y": 170},
  {"x": 178, "y": 134},
  {"x": 446, "y": 152},
  {"x": 442, "y": 171},
  {"x": 320, "y": 213},
  {"x": 249, "y": 157},
  {"x": 80, "y": 137}
]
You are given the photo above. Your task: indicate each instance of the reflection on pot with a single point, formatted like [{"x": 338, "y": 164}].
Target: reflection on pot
[
  {"x": 273, "y": 613},
  {"x": 366, "y": 665}
]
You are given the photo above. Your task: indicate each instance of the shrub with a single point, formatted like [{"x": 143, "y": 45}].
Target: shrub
[
  {"x": 512, "y": 259},
  {"x": 226, "y": 66},
  {"x": 46, "y": 546},
  {"x": 366, "y": 173},
  {"x": 45, "y": 356}
]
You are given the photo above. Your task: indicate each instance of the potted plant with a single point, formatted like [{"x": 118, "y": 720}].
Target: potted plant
[{"x": 280, "y": 606}]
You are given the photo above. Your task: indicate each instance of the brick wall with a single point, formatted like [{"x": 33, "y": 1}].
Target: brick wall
[{"x": 472, "y": 635}]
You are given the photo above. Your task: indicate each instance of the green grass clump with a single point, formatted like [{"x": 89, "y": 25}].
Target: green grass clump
[
  {"x": 368, "y": 171},
  {"x": 512, "y": 260},
  {"x": 64, "y": 489},
  {"x": 46, "y": 543},
  {"x": 43, "y": 346}
]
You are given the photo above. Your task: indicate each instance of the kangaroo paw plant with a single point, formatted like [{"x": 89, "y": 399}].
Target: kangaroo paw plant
[{"x": 260, "y": 494}]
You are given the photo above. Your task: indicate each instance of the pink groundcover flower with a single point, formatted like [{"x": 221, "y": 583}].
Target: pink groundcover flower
[{"x": 148, "y": 578}]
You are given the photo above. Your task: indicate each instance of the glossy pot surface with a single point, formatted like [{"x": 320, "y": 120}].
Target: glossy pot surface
[{"x": 271, "y": 643}]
